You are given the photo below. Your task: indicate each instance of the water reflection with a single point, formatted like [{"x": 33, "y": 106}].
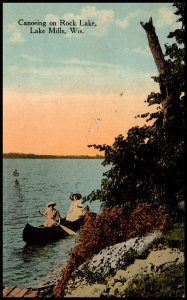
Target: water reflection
[
  {"x": 35, "y": 251},
  {"x": 16, "y": 182},
  {"x": 18, "y": 190}
]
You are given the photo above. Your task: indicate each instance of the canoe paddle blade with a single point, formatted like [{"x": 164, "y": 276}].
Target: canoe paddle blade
[{"x": 69, "y": 231}]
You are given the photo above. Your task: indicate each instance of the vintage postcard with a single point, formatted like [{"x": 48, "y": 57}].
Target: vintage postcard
[{"x": 75, "y": 78}]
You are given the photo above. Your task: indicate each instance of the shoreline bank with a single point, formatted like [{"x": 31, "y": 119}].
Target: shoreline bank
[{"x": 126, "y": 268}]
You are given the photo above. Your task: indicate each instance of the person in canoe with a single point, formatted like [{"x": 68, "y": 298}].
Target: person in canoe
[
  {"x": 76, "y": 208},
  {"x": 52, "y": 214},
  {"x": 15, "y": 172}
]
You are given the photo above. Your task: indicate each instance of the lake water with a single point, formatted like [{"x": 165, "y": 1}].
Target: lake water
[{"x": 41, "y": 180}]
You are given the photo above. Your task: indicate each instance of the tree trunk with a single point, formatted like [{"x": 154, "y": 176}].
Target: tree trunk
[{"x": 168, "y": 89}]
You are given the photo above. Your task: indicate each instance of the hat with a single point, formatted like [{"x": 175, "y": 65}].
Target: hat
[
  {"x": 51, "y": 203},
  {"x": 77, "y": 195}
]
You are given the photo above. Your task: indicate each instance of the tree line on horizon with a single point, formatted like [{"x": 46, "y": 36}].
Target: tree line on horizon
[{"x": 23, "y": 155}]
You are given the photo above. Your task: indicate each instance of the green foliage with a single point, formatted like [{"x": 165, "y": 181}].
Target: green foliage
[
  {"x": 169, "y": 283},
  {"x": 144, "y": 166},
  {"x": 147, "y": 165}
]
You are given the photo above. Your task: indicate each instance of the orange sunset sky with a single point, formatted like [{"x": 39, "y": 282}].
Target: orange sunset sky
[
  {"x": 64, "y": 91},
  {"x": 44, "y": 124}
]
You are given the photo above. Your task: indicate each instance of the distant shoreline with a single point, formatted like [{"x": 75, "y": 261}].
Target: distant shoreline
[{"x": 35, "y": 156}]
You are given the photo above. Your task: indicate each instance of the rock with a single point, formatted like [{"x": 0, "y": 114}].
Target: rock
[
  {"x": 121, "y": 290},
  {"x": 165, "y": 257},
  {"x": 112, "y": 257},
  {"x": 94, "y": 290},
  {"x": 111, "y": 281},
  {"x": 118, "y": 284},
  {"x": 120, "y": 275},
  {"x": 157, "y": 260}
]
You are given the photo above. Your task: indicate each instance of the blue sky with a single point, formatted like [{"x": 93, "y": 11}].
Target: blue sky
[
  {"x": 63, "y": 92},
  {"x": 115, "y": 51}
]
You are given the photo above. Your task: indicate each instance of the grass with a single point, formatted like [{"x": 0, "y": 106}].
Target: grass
[{"x": 169, "y": 283}]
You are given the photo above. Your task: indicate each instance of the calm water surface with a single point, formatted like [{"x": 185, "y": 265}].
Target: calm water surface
[{"x": 41, "y": 180}]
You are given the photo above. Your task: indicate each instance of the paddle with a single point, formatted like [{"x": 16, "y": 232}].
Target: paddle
[
  {"x": 68, "y": 230},
  {"x": 40, "y": 213}
]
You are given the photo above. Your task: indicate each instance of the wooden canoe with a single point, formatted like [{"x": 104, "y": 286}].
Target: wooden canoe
[{"x": 43, "y": 235}]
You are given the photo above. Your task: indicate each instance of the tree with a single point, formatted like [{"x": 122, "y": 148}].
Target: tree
[
  {"x": 169, "y": 92},
  {"x": 148, "y": 164}
]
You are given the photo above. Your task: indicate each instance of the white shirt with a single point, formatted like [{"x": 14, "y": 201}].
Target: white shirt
[{"x": 75, "y": 210}]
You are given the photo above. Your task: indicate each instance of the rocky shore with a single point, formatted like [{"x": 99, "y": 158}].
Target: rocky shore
[
  {"x": 115, "y": 270},
  {"x": 152, "y": 265}
]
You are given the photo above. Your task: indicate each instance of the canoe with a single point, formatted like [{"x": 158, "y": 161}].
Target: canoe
[
  {"x": 15, "y": 173},
  {"x": 43, "y": 235}
]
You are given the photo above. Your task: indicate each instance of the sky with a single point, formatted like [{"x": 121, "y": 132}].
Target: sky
[{"x": 64, "y": 90}]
